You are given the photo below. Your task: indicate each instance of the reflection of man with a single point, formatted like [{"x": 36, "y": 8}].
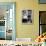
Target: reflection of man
[
  {"x": 29, "y": 16},
  {"x": 25, "y": 18}
]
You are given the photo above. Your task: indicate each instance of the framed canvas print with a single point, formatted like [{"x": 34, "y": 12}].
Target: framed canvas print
[
  {"x": 27, "y": 16},
  {"x": 42, "y": 1},
  {"x": 7, "y": 20}
]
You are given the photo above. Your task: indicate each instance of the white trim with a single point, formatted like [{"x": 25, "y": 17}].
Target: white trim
[
  {"x": 5, "y": 29},
  {"x": 13, "y": 35},
  {"x": 24, "y": 39}
]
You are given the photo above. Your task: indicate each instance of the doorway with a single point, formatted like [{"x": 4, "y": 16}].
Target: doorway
[{"x": 42, "y": 22}]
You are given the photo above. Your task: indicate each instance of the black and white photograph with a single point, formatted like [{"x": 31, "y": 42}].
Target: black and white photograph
[{"x": 27, "y": 16}]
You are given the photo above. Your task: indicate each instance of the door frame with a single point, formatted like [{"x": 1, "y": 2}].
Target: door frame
[{"x": 40, "y": 32}]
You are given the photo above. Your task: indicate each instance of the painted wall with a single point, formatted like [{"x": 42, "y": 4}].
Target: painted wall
[
  {"x": 28, "y": 31},
  {"x": 32, "y": 30}
]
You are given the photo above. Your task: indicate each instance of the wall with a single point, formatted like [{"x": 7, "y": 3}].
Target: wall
[
  {"x": 28, "y": 31},
  {"x": 25, "y": 30},
  {"x": 32, "y": 30},
  {"x": 42, "y": 7}
]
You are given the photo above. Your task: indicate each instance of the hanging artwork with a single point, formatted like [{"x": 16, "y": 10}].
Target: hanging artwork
[
  {"x": 42, "y": 1},
  {"x": 27, "y": 16}
]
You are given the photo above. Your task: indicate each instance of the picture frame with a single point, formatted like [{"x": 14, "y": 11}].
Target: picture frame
[
  {"x": 27, "y": 16},
  {"x": 42, "y": 1}
]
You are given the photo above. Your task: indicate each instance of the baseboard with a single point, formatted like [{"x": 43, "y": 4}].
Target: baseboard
[{"x": 24, "y": 39}]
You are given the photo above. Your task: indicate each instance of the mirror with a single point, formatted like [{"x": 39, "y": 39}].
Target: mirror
[{"x": 7, "y": 21}]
